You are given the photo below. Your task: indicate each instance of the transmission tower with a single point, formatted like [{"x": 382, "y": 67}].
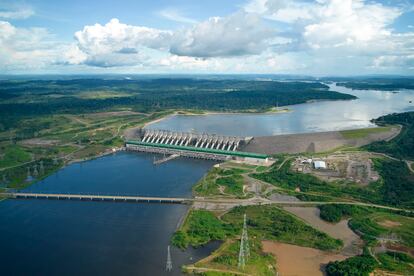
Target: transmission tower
[
  {"x": 244, "y": 252},
  {"x": 41, "y": 168},
  {"x": 35, "y": 172},
  {"x": 28, "y": 173},
  {"x": 168, "y": 266}
]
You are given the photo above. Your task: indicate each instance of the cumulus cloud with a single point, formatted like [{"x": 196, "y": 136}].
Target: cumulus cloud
[
  {"x": 118, "y": 44},
  {"x": 338, "y": 29},
  {"x": 331, "y": 23},
  {"x": 324, "y": 28},
  {"x": 349, "y": 22},
  {"x": 107, "y": 45},
  {"x": 235, "y": 35},
  {"x": 23, "y": 48}
]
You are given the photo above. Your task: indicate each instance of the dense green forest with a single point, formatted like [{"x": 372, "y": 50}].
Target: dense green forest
[
  {"x": 20, "y": 98},
  {"x": 354, "y": 266},
  {"x": 398, "y": 182},
  {"x": 403, "y": 145}
]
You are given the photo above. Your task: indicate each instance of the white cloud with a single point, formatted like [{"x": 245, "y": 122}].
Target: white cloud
[
  {"x": 288, "y": 11},
  {"x": 265, "y": 36},
  {"x": 349, "y": 23},
  {"x": 25, "y": 48},
  {"x": 117, "y": 44},
  {"x": 115, "y": 36},
  {"x": 393, "y": 61},
  {"x": 235, "y": 35},
  {"x": 334, "y": 31},
  {"x": 15, "y": 12},
  {"x": 176, "y": 15}
]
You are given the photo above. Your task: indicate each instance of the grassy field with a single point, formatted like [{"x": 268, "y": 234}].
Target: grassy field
[
  {"x": 385, "y": 225},
  {"x": 396, "y": 262},
  {"x": 201, "y": 227},
  {"x": 226, "y": 259},
  {"x": 272, "y": 223},
  {"x": 13, "y": 155},
  {"x": 265, "y": 222},
  {"x": 226, "y": 182},
  {"x": 363, "y": 132}
]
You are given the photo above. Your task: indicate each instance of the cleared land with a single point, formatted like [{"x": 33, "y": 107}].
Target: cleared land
[{"x": 350, "y": 166}]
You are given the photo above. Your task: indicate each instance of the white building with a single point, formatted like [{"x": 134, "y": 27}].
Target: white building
[{"x": 319, "y": 164}]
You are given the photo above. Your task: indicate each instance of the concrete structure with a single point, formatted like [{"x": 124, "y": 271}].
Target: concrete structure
[
  {"x": 319, "y": 164},
  {"x": 195, "y": 145},
  {"x": 198, "y": 152},
  {"x": 204, "y": 140}
]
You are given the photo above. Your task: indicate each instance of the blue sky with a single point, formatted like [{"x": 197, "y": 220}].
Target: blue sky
[{"x": 321, "y": 37}]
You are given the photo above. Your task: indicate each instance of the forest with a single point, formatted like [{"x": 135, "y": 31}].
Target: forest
[
  {"x": 28, "y": 98},
  {"x": 402, "y": 146},
  {"x": 376, "y": 83}
]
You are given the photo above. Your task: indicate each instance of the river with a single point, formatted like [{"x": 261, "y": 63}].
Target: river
[
  {"x": 48, "y": 237},
  {"x": 309, "y": 117}
]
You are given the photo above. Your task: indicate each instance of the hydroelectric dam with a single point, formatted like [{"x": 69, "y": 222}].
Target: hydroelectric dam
[{"x": 194, "y": 145}]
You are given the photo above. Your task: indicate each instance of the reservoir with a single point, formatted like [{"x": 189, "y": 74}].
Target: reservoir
[
  {"x": 51, "y": 237},
  {"x": 309, "y": 117}
]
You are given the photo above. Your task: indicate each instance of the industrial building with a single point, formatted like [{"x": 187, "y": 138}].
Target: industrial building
[{"x": 319, "y": 164}]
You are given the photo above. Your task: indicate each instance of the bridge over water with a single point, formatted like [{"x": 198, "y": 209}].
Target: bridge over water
[
  {"x": 94, "y": 197},
  {"x": 180, "y": 200}
]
